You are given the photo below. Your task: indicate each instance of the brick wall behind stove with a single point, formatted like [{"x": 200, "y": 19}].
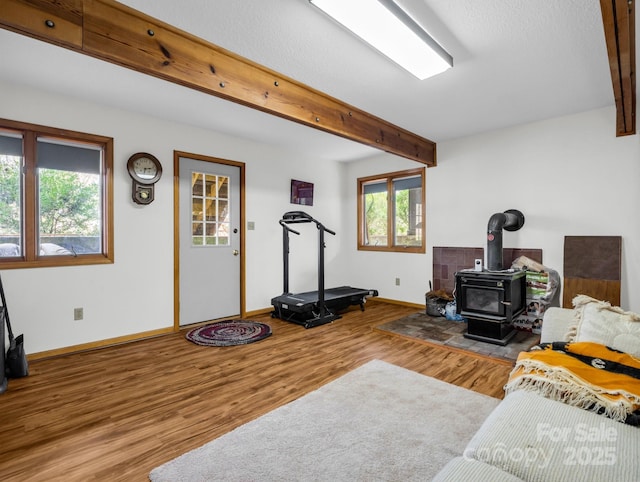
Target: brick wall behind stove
[{"x": 447, "y": 261}]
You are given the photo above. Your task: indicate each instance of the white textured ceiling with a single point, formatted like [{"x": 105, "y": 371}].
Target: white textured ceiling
[{"x": 515, "y": 61}]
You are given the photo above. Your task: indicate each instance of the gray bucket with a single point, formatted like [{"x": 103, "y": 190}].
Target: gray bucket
[{"x": 435, "y": 306}]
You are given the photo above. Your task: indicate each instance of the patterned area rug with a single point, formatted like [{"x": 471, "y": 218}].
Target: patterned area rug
[
  {"x": 440, "y": 331},
  {"x": 229, "y": 333}
]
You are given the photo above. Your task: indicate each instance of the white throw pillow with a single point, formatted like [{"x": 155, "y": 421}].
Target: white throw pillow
[{"x": 599, "y": 322}]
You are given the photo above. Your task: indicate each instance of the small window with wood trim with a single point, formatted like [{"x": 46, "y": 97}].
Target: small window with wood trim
[
  {"x": 211, "y": 220},
  {"x": 55, "y": 197},
  {"x": 391, "y": 212}
]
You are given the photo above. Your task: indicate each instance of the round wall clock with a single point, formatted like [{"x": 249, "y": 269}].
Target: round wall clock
[{"x": 145, "y": 170}]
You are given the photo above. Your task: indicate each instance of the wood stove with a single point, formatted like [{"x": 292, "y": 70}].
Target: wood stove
[{"x": 490, "y": 301}]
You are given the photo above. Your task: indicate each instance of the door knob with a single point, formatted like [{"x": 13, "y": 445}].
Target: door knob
[{"x": 236, "y": 252}]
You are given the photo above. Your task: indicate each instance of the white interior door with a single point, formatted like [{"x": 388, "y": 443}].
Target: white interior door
[{"x": 209, "y": 227}]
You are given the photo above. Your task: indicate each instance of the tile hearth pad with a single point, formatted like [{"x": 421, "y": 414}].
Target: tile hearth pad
[{"x": 440, "y": 331}]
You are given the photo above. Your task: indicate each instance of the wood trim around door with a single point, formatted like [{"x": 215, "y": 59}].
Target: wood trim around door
[{"x": 176, "y": 229}]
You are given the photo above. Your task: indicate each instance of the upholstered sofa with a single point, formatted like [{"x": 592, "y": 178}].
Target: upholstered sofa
[{"x": 534, "y": 438}]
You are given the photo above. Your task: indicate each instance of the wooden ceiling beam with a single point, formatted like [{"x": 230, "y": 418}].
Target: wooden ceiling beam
[
  {"x": 618, "y": 17},
  {"x": 116, "y": 33}
]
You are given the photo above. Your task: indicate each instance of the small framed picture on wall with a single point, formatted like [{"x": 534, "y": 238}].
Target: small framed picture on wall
[{"x": 301, "y": 192}]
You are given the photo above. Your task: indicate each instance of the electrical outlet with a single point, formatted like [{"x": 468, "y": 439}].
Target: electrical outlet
[
  {"x": 78, "y": 314},
  {"x": 397, "y": 281}
]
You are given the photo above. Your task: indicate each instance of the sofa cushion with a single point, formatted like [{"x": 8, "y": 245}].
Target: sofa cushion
[
  {"x": 462, "y": 468},
  {"x": 599, "y": 322},
  {"x": 556, "y": 324},
  {"x": 537, "y": 439}
]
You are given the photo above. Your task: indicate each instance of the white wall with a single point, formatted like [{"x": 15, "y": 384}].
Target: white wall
[
  {"x": 379, "y": 270},
  {"x": 569, "y": 176},
  {"x": 135, "y": 294}
]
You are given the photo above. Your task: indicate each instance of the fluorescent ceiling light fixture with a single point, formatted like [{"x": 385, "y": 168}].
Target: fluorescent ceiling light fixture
[{"x": 389, "y": 29}]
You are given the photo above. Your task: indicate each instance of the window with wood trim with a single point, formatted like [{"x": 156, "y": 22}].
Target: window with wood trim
[
  {"x": 210, "y": 218},
  {"x": 56, "y": 197},
  {"x": 391, "y": 212}
]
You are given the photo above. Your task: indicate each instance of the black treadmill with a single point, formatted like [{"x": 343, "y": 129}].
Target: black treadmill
[{"x": 313, "y": 308}]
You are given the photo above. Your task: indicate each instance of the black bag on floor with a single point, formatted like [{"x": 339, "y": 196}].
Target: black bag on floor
[
  {"x": 15, "y": 362},
  {"x": 3, "y": 374}
]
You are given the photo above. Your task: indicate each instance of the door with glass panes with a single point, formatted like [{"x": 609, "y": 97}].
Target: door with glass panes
[{"x": 209, "y": 231}]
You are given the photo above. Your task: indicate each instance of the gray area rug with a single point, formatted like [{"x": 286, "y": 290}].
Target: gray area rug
[{"x": 378, "y": 422}]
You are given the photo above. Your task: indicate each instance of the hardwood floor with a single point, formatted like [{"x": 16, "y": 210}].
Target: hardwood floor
[{"x": 115, "y": 413}]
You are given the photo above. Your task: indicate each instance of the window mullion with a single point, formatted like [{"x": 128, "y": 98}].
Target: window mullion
[
  {"x": 361, "y": 218},
  {"x": 30, "y": 200},
  {"x": 106, "y": 194},
  {"x": 391, "y": 212}
]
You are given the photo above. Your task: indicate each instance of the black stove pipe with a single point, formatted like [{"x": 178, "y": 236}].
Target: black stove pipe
[{"x": 511, "y": 220}]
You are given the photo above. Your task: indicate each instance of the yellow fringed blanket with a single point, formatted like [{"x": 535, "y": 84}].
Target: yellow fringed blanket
[{"x": 582, "y": 374}]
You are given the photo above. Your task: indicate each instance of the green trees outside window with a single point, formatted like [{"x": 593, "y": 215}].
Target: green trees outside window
[
  {"x": 390, "y": 212},
  {"x": 55, "y": 197}
]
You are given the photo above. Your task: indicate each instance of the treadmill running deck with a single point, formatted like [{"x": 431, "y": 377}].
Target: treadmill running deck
[{"x": 302, "y": 308}]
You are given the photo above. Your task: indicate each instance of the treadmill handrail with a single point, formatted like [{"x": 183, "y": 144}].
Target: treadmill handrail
[
  {"x": 295, "y": 217},
  {"x": 321, "y": 226},
  {"x": 284, "y": 225}
]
